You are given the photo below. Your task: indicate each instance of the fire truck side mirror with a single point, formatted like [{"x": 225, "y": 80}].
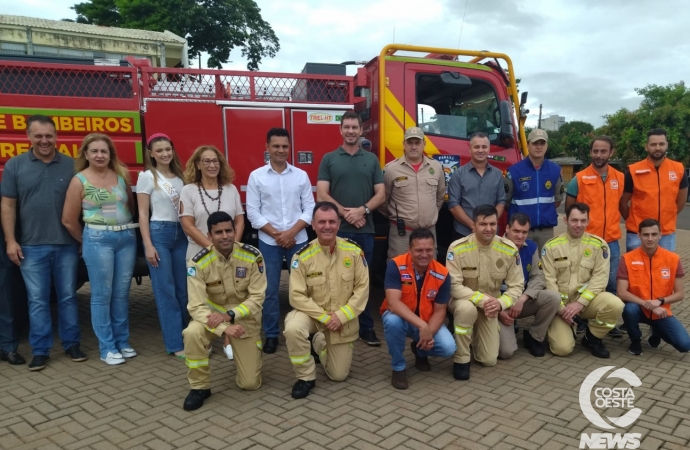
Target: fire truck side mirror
[
  {"x": 507, "y": 134},
  {"x": 523, "y": 98}
]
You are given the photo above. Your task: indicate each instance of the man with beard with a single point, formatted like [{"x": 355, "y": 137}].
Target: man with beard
[
  {"x": 655, "y": 188},
  {"x": 351, "y": 179}
]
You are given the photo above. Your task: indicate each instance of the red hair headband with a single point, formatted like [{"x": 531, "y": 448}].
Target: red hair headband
[{"x": 155, "y": 136}]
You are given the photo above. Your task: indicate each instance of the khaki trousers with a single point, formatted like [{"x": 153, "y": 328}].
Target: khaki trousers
[
  {"x": 544, "y": 308},
  {"x": 473, "y": 327},
  {"x": 248, "y": 357},
  {"x": 540, "y": 236},
  {"x": 603, "y": 312},
  {"x": 397, "y": 245},
  {"x": 335, "y": 358}
]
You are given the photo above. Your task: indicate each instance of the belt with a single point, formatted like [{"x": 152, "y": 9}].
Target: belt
[{"x": 128, "y": 226}]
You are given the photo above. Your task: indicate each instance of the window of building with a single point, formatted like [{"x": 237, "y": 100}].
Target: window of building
[
  {"x": 11, "y": 48},
  {"x": 456, "y": 111}
]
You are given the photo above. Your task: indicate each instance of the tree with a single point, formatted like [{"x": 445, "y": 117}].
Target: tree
[
  {"x": 214, "y": 26},
  {"x": 665, "y": 107},
  {"x": 575, "y": 139}
]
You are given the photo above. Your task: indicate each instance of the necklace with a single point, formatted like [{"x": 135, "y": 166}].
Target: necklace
[{"x": 203, "y": 202}]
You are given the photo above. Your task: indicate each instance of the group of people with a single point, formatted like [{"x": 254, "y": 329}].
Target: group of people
[{"x": 207, "y": 284}]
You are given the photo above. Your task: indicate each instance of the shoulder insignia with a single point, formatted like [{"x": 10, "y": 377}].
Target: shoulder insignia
[
  {"x": 251, "y": 249},
  {"x": 303, "y": 249},
  {"x": 354, "y": 243},
  {"x": 203, "y": 252},
  {"x": 540, "y": 265}
]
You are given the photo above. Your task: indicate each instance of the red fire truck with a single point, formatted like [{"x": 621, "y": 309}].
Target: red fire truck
[{"x": 403, "y": 86}]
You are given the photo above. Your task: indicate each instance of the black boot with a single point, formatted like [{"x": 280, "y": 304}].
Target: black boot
[
  {"x": 301, "y": 388},
  {"x": 195, "y": 399},
  {"x": 635, "y": 347},
  {"x": 461, "y": 371},
  {"x": 595, "y": 345},
  {"x": 535, "y": 347},
  {"x": 271, "y": 345}
]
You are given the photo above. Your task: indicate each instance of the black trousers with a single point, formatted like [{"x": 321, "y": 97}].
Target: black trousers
[{"x": 12, "y": 304}]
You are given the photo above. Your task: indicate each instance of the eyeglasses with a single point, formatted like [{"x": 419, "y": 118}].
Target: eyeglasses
[{"x": 210, "y": 162}]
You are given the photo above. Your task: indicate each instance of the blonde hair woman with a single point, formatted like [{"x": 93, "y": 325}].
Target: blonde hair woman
[
  {"x": 165, "y": 243},
  {"x": 101, "y": 193},
  {"x": 210, "y": 189}
]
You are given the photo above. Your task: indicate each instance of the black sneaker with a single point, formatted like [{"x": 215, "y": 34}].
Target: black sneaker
[
  {"x": 369, "y": 336},
  {"x": 13, "y": 358},
  {"x": 461, "y": 371},
  {"x": 420, "y": 362},
  {"x": 38, "y": 362},
  {"x": 615, "y": 333},
  {"x": 195, "y": 399},
  {"x": 76, "y": 354},
  {"x": 535, "y": 347},
  {"x": 301, "y": 388},
  {"x": 654, "y": 341},
  {"x": 595, "y": 345},
  {"x": 635, "y": 347}
]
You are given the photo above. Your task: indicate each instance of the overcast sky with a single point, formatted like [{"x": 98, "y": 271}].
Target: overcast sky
[{"x": 580, "y": 59}]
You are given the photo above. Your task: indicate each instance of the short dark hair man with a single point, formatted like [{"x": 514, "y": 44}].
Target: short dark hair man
[
  {"x": 226, "y": 284},
  {"x": 650, "y": 279},
  {"x": 417, "y": 294},
  {"x": 35, "y": 184},
  {"x": 351, "y": 179}
]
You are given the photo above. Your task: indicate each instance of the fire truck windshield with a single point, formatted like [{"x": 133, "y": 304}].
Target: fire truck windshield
[{"x": 457, "y": 111}]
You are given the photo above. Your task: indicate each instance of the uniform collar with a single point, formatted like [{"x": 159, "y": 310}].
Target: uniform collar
[
  {"x": 220, "y": 256},
  {"x": 403, "y": 160}
]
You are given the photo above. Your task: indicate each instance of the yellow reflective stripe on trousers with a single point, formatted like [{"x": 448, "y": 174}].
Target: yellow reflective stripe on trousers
[
  {"x": 260, "y": 345},
  {"x": 564, "y": 299},
  {"x": 216, "y": 307},
  {"x": 476, "y": 297},
  {"x": 347, "y": 310},
  {"x": 244, "y": 311},
  {"x": 462, "y": 330},
  {"x": 508, "y": 300},
  {"x": 300, "y": 359},
  {"x": 324, "y": 318},
  {"x": 605, "y": 324},
  {"x": 196, "y": 363},
  {"x": 322, "y": 355}
]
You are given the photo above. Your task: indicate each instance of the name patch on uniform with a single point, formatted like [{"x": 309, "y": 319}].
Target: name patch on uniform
[
  {"x": 587, "y": 253},
  {"x": 241, "y": 272},
  {"x": 524, "y": 179},
  {"x": 314, "y": 274},
  {"x": 407, "y": 283},
  {"x": 347, "y": 262},
  {"x": 638, "y": 263},
  {"x": 642, "y": 171},
  {"x": 295, "y": 264},
  {"x": 614, "y": 184},
  {"x": 666, "y": 274},
  {"x": 191, "y": 271},
  {"x": 469, "y": 268},
  {"x": 401, "y": 179},
  {"x": 214, "y": 283},
  {"x": 562, "y": 258},
  {"x": 437, "y": 275},
  {"x": 405, "y": 276},
  {"x": 431, "y": 294},
  {"x": 548, "y": 184},
  {"x": 673, "y": 176}
]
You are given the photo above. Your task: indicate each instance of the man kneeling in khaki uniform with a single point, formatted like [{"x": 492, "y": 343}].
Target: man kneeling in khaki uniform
[
  {"x": 535, "y": 300},
  {"x": 577, "y": 264},
  {"x": 478, "y": 264},
  {"x": 329, "y": 288},
  {"x": 226, "y": 284}
]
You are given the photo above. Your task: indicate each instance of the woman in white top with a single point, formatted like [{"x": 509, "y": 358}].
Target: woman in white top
[
  {"x": 210, "y": 189},
  {"x": 165, "y": 243}
]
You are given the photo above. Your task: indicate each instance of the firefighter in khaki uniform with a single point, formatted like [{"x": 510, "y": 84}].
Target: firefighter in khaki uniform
[
  {"x": 415, "y": 188},
  {"x": 329, "y": 288},
  {"x": 478, "y": 265},
  {"x": 226, "y": 284},
  {"x": 576, "y": 264}
]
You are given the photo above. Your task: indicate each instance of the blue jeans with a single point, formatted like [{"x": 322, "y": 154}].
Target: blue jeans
[
  {"x": 273, "y": 260},
  {"x": 169, "y": 281},
  {"x": 632, "y": 241},
  {"x": 366, "y": 241},
  {"x": 109, "y": 257},
  {"x": 41, "y": 265},
  {"x": 397, "y": 330},
  {"x": 615, "y": 257},
  {"x": 669, "y": 328}
]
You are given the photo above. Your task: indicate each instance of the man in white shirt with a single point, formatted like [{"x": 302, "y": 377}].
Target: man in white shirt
[{"x": 279, "y": 205}]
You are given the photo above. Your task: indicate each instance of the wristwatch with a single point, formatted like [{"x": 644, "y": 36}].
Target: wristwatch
[
  {"x": 231, "y": 313},
  {"x": 367, "y": 210},
  {"x": 662, "y": 300}
]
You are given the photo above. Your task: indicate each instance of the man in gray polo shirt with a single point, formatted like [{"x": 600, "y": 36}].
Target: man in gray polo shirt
[
  {"x": 35, "y": 184},
  {"x": 351, "y": 178},
  {"x": 476, "y": 183}
]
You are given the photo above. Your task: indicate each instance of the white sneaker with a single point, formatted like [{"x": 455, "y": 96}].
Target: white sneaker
[
  {"x": 228, "y": 352},
  {"x": 113, "y": 359},
  {"x": 128, "y": 352}
]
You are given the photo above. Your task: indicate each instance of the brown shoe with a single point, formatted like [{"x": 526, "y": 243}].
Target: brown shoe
[
  {"x": 420, "y": 362},
  {"x": 399, "y": 379}
]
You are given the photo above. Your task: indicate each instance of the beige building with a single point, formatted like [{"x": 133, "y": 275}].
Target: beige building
[{"x": 21, "y": 35}]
